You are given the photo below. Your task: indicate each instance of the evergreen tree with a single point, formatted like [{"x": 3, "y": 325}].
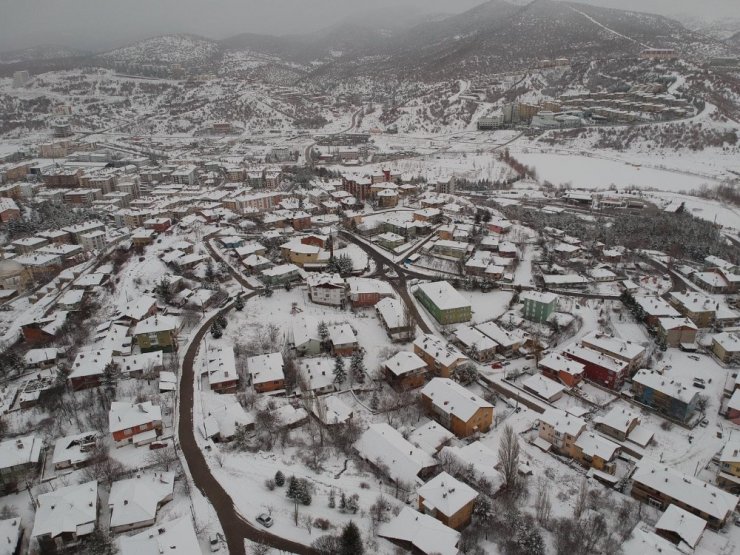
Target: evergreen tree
[
  {"x": 342, "y": 501},
  {"x": 210, "y": 272},
  {"x": 353, "y": 503},
  {"x": 340, "y": 375},
  {"x": 239, "y": 304},
  {"x": 303, "y": 493},
  {"x": 292, "y": 491},
  {"x": 221, "y": 319},
  {"x": 216, "y": 330},
  {"x": 375, "y": 401},
  {"x": 351, "y": 541},
  {"x": 332, "y": 499},
  {"x": 357, "y": 366},
  {"x": 323, "y": 332},
  {"x": 163, "y": 290},
  {"x": 279, "y": 478}
]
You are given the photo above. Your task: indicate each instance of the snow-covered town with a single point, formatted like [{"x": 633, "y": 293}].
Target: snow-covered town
[{"x": 252, "y": 305}]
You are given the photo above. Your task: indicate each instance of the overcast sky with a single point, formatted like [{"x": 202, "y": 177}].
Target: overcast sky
[{"x": 103, "y": 23}]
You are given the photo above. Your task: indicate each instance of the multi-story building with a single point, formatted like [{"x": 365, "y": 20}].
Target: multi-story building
[
  {"x": 444, "y": 302},
  {"x": 699, "y": 308},
  {"x": 405, "y": 371},
  {"x": 728, "y": 477},
  {"x": 448, "y": 500},
  {"x": 538, "y": 306},
  {"x": 157, "y": 333},
  {"x": 669, "y": 396},
  {"x": 726, "y": 346},
  {"x": 266, "y": 372},
  {"x": 560, "y": 368},
  {"x": 677, "y": 331},
  {"x": 560, "y": 430},
  {"x": 600, "y": 368},
  {"x": 441, "y": 359},
  {"x": 328, "y": 289},
  {"x": 660, "y": 485},
  {"x": 456, "y": 408}
]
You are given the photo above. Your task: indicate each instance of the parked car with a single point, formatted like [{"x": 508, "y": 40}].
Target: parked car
[
  {"x": 214, "y": 543},
  {"x": 704, "y": 423},
  {"x": 265, "y": 520},
  {"x": 496, "y": 365}
]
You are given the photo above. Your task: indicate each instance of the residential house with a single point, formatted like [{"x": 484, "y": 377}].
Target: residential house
[
  {"x": 597, "y": 452},
  {"x": 478, "y": 346},
  {"x": 385, "y": 448},
  {"x": 221, "y": 369},
  {"x": 699, "y": 308},
  {"x": 367, "y": 292},
  {"x": 266, "y": 372},
  {"x": 660, "y": 485},
  {"x": 560, "y": 368},
  {"x": 441, "y": 359},
  {"x": 654, "y": 308},
  {"x": 508, "y": 342},
  {"x": 680, "y": 527},
  {"x": 559, "y": 430},
  {"x": 18, "y": 457},
  {"x": 676, "y": 332},
  {"x": 448, "y": 500},
  {"x": 280, "y": 275},
  {"x": 11, "y": 531},
  {"x": 544, "y": 388},
  {"x": 45, "y": 329},
  {"x": 89, "y": 367},
  {"x": 728, "y": 477},
  {"x": 393, "y": 316},
  {"x": 416, "y": 532},
  {"x": 618, "y": 423},
  {"x": 626, "y": 351},
  {"x": 405, "y": 371},
  {"x": 668, "y": 395},
  {"x": 317, "y": 374},
  {"x": 135, "y": 502},
  {"x": 343, "y": 340},
  {"x": 305, "y": 336},
  {"x": 726, "y": 347},
  {"x": 157, "y": 333},
  {"x": 328, "y": 289},
  {"x": 444, "y": 302},
  {"x": 175, "y": 536},
  {"x": 605, "y": 370},
  {"x": 456, "y": 408},
  {"x": 137, "y": 423},
  {"x": 65, "y": 516},
  {"x": 74, "y": 451}
]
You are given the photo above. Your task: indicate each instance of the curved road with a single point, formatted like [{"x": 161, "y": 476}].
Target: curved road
[{"x": 235, "y": 528}]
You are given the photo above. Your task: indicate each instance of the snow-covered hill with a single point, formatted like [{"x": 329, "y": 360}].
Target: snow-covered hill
[{"x": 169, "y": 49}]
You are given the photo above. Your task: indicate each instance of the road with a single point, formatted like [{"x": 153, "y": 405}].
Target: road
[
  {"x": 398, "y": 283},
  {"x": 235, "y": 528}
]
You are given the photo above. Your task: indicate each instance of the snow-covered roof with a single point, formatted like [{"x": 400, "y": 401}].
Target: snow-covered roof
[
  {"x": 443, "y": 295},
  {"x": 20, "y": 451},
  {"x": 335, "y": 411},
  {"x": 70, "y": 448},
  {"x": 425, "y": 533},
  {"x": 342, "y": 334},
  {"x": 559, "y": 363},
  {"x": 618, "y": 418},
  {"x": 595, "y": 357},
  {"x": 221, "y": 365},
  {"x": 380, "y": 442},
  {"x": 498, "y": 334},
  {"x": 686, "y": 489},
  {"x": 175, "y": 537},
  {"x": 562, "y": 422},
  {"x": 137, "y": 308},
  {"x": 392, "y": 311},
  {"x": 613, "y": 346},
  {"x": 71, "y": 510},
  {"x": 437, "y": 349},
  {"x": 674, "y": 323},
  {"x": 694, "y": 302},
  {"x": 91, "y": 363},
  {"x": 360, "y": 285},
  {"x": 124, "y": 415},
  {"x": 482, "y": 458},
  {"x": 655, "y": 306},
  {"x": 318, "y": 372},
  {"x": 324, "y": 280},
  {"x": 538, "y": 296},
  {"x": 304, "y": 330},
  {"x": 450, "y": 397},
  {"x": 684, "y": 524},
  {"x": 156, "y": 324},
  {"x": 646, "y": 542},
  {"x": 137, "y": 499},
  {"x": 730, "y": 342},
  {"x": 595, "y": 445},
  {"x": 542, "y": 386},
  {"x": 446, "y": 494},
  {"x": 39, "y": 356},
  {"x": 431, "y": 436},
  {"x": 731, "y": 452},
  {"x": 672, "y": 387},
  {"x": 141, "y": 362},
  {"x": 10, "y": 532},
  {"x": 404, "y": 362},
  {"x": 470, "y": 337},
  {"x": 266, "y": 368}
]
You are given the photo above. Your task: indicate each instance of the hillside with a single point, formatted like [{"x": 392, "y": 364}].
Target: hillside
[{"x": 166, "y": 49}]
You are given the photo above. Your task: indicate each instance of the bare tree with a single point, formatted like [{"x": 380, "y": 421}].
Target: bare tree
[
  {"x": 162, "y": 458},
  {"x": 581, "y": 499},
  {"x": 543, "y": 506},
  {"x": 508, "y": 454}
]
